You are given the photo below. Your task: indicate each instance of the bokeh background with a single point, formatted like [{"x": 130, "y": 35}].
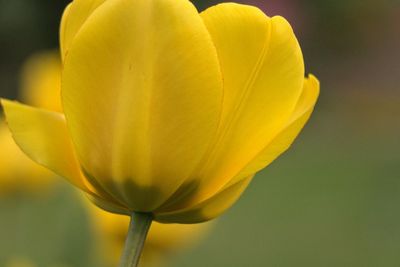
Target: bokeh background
[{"x": 331, "y": 200}]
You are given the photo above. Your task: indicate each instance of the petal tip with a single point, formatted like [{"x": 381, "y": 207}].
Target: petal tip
[
  {"x": 313, "y": 78},
  {"x": 5, "y": 102},
  {"x": 315, "y": 83},
  {"x": 6, "y": 105}
]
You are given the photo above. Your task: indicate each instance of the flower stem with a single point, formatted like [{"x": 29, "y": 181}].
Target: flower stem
[{"x": 138, "y": 229}]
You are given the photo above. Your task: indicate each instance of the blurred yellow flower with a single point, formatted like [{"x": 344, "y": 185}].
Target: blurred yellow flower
[
  {"x": 40, "y": 86},
  {"x": 168, "y": 111},
  {"x": 19, "y": 262},
  {"x": 17, "y": 171},
  {"x": 41, "y": 81},
  {"x": 22, "y": 262},
  {"x": 163, "y": 240}
]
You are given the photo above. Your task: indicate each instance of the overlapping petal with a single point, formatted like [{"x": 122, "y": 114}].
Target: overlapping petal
[
  {"x": 207, "y": 209},
  {"x": 142, "y": 99},
  {"x": 70, "y": 25},
  {"x": 263, "y": 71},
  {"x": 288, "y": 133},
  {"x": 18, "y": 173},
  {"x": 43, "y": 136}
]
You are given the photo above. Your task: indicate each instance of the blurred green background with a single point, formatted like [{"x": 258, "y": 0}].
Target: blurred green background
[{"x": 331, "y": 200}]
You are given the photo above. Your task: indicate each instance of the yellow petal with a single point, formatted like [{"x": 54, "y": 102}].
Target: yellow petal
[
  {"x": 286, "y": 136},
  {"x": 142, "y": 94},
  {"x": 18, "y": 173},
  {"x": 208, "y": 209},
  {"x": 107, "y": 205},
  {"x": 63, "y": 27},
  {"x": 43, "y": 136},
  {"x": 263, "y": 71},
  {"x": 75, "y": 15}
]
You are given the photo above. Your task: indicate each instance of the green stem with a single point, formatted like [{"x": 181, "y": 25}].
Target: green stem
[{"x": 138, "y": 229}]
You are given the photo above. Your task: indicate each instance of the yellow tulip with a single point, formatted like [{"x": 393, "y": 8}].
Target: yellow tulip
[
  {"x": 41, "y": 87},
  {"x": 167, "y": 111},
  {"x": 163, "y": 239}
]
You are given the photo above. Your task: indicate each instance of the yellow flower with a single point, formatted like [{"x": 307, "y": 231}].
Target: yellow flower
[
  {"x": 39, "y": 80},
  {"x": 162, "y": 240},
  {"x": 19, "y": 262},
  {"x": 22, "y": 262},
  {"x": 41, "y": 76},
  {"x": 168, "y": 111},
  {"x": 17, "y": 171}
]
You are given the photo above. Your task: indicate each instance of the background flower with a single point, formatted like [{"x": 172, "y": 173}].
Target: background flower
[
  {"x": 40, "y": 79},
  {"x": 18, "y": 173},
  {"x": 19, "y": 263},
  {"x": 163, "y": 242}
]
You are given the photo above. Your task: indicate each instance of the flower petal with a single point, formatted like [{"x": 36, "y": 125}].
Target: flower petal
[
  {"x": 18, "y": 173},
  {"x": 42, "y": 135},
  {"x": 263, "y": 71},
  {"x": 142, "y": 94},
  {"x": 63, "y": 31},
  {"x": 208, "y": 209},
  {"x": 75, "y": 15},
  {"x": 286, "y": 136},
  {"x": 107, "y": 205}
]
